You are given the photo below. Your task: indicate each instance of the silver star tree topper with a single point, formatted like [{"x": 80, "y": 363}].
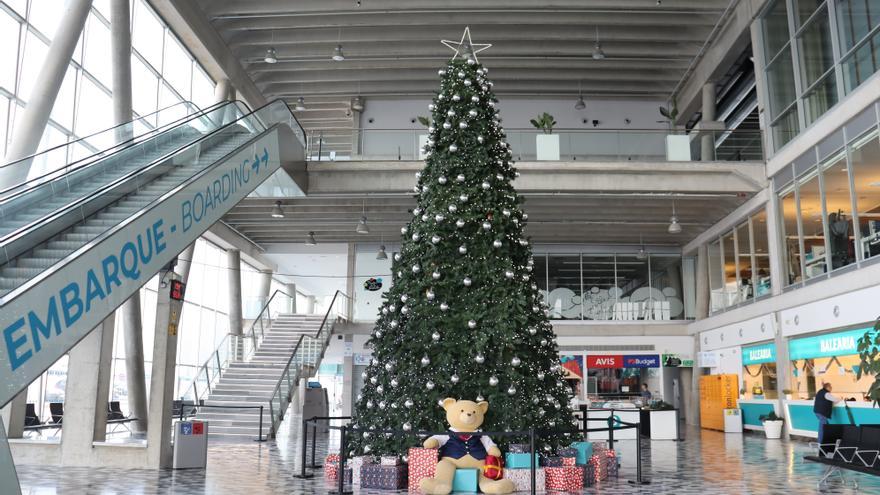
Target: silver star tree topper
[{"x": 465, "y": 48}]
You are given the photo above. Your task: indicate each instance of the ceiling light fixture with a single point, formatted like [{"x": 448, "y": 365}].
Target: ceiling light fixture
[
  {"x": 271, "y": 56},
  {"x": 337, "y": 54},
  {"x": 580, "y": 105},
  {"x": 381, "y": 255},
  {"x": 310, "y": 240},
  {"x": 674, "y": 226},
  {"x": 598, "y": 53},
  {"x": 300, "y": 104},
  {"x": 642, "y": 254},
  {"x": 357, "y": 104},
  {"x": 362, "y": 227},
  {"x": 277, "y": 211}
]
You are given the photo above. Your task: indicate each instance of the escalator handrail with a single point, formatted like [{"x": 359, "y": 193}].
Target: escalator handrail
[
  {"x": 68, "y": 143},
  {"x": 25, "y": 229},
  {"x": 94, "y": 158}
]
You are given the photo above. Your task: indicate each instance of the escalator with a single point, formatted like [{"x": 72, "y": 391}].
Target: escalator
[{"x": 76, "y": 242}]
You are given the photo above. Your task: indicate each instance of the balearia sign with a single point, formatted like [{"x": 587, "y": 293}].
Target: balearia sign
[
  {"x": 759, "y": 354},
  {"x": 832, "y": 344}
]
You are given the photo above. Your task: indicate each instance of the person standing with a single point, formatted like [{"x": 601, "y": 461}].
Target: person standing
[
  {"x": 646, "y": 394},
  {"x": 822, "y": 406}
]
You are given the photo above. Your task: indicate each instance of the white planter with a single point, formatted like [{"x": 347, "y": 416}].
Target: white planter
[
  {"x": 423, "y": 140},
  {"x": 678, "y": 148},
  {"x": 773, "y": 429},
  {"x": 787, "y": 396},
  {"x": 547, "y": 147}
]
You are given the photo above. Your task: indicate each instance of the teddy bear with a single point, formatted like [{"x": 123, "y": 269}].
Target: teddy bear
[{"x": 463, "y": 447}]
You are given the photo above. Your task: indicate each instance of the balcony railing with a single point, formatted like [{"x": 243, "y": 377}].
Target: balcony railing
[{"x": 563, "y": 145}]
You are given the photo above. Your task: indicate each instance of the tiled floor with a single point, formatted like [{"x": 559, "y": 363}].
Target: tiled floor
[{"x": 705, "y": 463}]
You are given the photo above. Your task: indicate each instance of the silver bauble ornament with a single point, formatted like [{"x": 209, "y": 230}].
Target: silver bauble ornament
[
  {"x": 393, "y": 323},
  {"x": 543, "y": 341},
  {"x": 533, "y": 331},
  {"x": 479, "y": 358},
  {"x": 380, "y": 389},
  {"x": 404, "y": 297},
  {"x": 508, "y": 274},
  {"x": 407, "y": 426},
  {"x": 540, "y": 375},
  {"x": 462, "y": 249},
  {"x": 435, "y": 336},
  {"x": 472, "y": 324},
  {"x": 403, "y": 231},
  {"x": 444, "y": 306},
  {"x": 435, "y": 275},
  {"x": 525, "y": 216},
  {"x": 496, "y": 243},
  {"x": 461, "y": 74},
  {"x": 467, "y": 281},
  {"x": 408, "y": 403},
  {"x": 493, "y": 380},
  {"x": 455, "y": 97},
  {"x": 450, "y": 113},
  {"x": 416, "y": 268},
  {"x": 397, "y": 255},
  {"x": 452, "y": 208},
  {"x": 430, "y": 295},
  {"x": 480, "y": 139},
  {"x": 480, "y": 398},
  {"x": 369, "y": 406},
  {"x": 463, "y": 198},
  {"x": 441, "y": 72},
  {"x": 364, "y": 375},
  {"x": 486, "y": 185},
  {"x": 459, "y": 177},
  {"x": 429, "y": 385},
  {"x": 511, "y": 390},
  {"x": 374, "y": 380},
  {"x": 435, "y": 239},
  {"x": 439, "y": 218},
  {"x": 475, "y": 98},
  {"x": 426, "y": 360},
  {"x": 462, "y": 125},
  {"x": 453, "y": 378},
  {"x": 459, "y": 223},
  {"x": 431, "y": 106},
  {"x": 515, "y": 361},
  {"x": 453, "y": 148},
  {"x": 378, "y": 334},
  {"x": 441, "y": 179},
  {"x": 388, "y": 366},
  {"x": 392, "y": 308},
  {"x": 447, "y": 125},
  {"x": 467, "y": 82},
  {"x": 487, "y": 226},
  {"x": 505, "y": 212},
  {"x": 382, "y": 405},
  {"x": 416, "y": 237},
  {"x": 394, "y": 382},
  {"x": 472, "y": 112}
]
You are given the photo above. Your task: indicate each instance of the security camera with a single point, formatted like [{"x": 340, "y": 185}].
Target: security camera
[
  {"x": 584, "y": 121},
  {"x": 370, "y": 120},
  {"x": 412, "y": 121},
  {"x": 595, "y": 123},
  {"x": 627, "y": 121}
]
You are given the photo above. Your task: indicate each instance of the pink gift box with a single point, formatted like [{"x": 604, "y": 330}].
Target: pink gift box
[
  {"x": 522, "y": 479},
  {"x": 564, "y": 478},
  {"x": 422, "y": 464}
]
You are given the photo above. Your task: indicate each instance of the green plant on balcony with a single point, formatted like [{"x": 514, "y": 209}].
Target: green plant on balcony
[
  {"x": 425, "y": 121},
  {"x": 544, "y": 123},
  {"x": 869, "y": 354},
  {"x": 670, "y": 113}
]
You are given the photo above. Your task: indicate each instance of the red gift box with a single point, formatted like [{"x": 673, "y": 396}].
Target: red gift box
[
  {"x": 422, "y": 464},
  {"x": 603, "y": 464},
  {"x": 569, "y": 461},
  {"x": 331, "y": 467},
  {"x": 564, "y": 478}
]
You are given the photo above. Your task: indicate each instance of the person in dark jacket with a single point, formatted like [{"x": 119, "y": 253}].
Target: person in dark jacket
[{"x": 823, "y": 406}]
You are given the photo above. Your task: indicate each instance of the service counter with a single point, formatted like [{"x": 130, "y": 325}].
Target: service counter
[
  {"x": 802, "y": 420},
  {"x": 659, "y": 424},
  {"x": 752, "y": 409}
]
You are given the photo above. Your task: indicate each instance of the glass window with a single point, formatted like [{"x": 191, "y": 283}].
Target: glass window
[
  {"x": 539, "y": 272},
  {"x": 716, "y": 279},
  {"x": 855, "y": 19},
  {"x": 761, "y": 279},
  {"x": 4, "y": 115},
  {"x": 785, "y": 128},
  {"x": 820, "y": 98},
  {"x": 731, "y": 286},
  {"x": 95, "y": 114},
  {"x": 62, "y": 111},
  {"x": 96, "y": 55},
  {"x": 564, "y": 284},
  {"x": 862, "y": 64},
  {"x": 865, "y": 162},
  {"x": 144, "y": 88},
  {"x": 775, "y": 29},
  {"x": 600, "y": 291},
  {"x": 202, "y": 88},
  {"x": 815, "y": 53},
  {"x": 34, "y": 54},
  {"x": 810, "y": 200},
  {"x": 780, "y": 82},
  {"x": 791, "y": 242},
  {"x": 147, "y": 34},
  {"x": 45, "y": 15},
  {"x": 841, "y": 237},
  {"x": 633, "y": 287},
  {"x": 666, "y": 300},
  {"x": 9, "y": 31},
  {"x": 19, "y": 6},
  {"x": 805, "y": 9},
  {"x": 166, "y": 99},
  {"x": 178, "y": 66},
  {"x": 744, "y": 263}
]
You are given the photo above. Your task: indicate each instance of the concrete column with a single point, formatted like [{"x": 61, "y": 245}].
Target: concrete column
[
  {"x": 783, "y": 368},
  {"x": 702, "y": 283},
  {"x": 29, "y": 128},
  {"x": 162, "y": 377},
  {"x": 347, "y": 378},
  {"x": 775, "y": 247},
  {"x": 707, "y": 144},
  {"x": 265, "y": 286},
  {"x": 291, "y": 289},
  {"x": 86, "y": 394},
  {"x": 13, "y": 415},
  {"x": 349, "y": 280},
  {"x": 310, "y": 305},
  {"x": 693, "y": 412},
  {"x": 355, "y": 132},
  {"x": 184, "y": 262},
  {"x": 130, "y": 311},
  {"x": 236, "y": 323},
  {"x": 8, "y": 476},
  {"x": 222, "y": 91}
]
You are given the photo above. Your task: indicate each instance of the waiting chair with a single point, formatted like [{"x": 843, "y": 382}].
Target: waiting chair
[
  {"x": 849, "y": 443},
  {"x": 833, "y": 434},
  {"x": 869, "y": 446},
  {"x": 30, "y": 415},
  {"x": 57, "y": 411},
  {"x": 114, "y": 411}
]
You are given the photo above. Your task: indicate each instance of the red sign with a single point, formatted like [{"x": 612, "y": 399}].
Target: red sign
[
  {"x": 605, "y": 361},
  {"x": 177, "y": 290},
  {"x": 198, "y": 428}
]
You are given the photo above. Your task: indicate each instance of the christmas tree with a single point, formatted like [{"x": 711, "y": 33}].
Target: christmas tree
[{"x": 463, "y": 317}]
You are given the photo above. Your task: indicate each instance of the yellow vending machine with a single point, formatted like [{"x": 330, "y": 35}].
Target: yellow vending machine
[{"x": 717, "y": 393}]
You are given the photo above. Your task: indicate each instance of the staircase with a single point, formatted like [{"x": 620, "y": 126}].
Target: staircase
[{"x": 251, "y": 383}]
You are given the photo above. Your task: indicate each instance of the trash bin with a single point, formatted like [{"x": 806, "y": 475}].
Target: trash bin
[
  {"x": 733, "y": 421},
  {"x": 315, "y": 406},
  {"x": 190, "y": 444}
]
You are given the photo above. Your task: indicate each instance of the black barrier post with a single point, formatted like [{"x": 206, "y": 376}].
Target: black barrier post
[
  {"x": 260, "y": 435},
  {"x": 343, "y": 447},
  {"x": 314, "y": 441},
  {"x": 305, "y": 445},
  {"x": 611, "y": 430},
  {"x": 639, "y": 480},
  {"x": 532, "y": 453}
]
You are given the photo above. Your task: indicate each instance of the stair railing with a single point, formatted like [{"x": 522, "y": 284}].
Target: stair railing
[
  {"x": 305, "y": 355},
  {"x": 231, "y": 346}
]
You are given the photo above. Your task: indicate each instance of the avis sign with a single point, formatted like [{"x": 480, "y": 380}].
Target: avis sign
[{"x": 56, "y": 310}]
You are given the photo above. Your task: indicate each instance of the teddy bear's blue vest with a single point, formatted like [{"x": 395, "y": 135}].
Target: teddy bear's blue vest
[{"x": 457, "y": 448}]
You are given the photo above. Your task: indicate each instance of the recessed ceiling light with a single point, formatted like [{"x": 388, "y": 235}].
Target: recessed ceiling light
[
  {"x": 337, "y": 54},
  {"x": 277, "y": 211},
  {"x": 310, "y": 240},
  {"x": 271, "y": 56},
  {"x": 300, "y": 104}
]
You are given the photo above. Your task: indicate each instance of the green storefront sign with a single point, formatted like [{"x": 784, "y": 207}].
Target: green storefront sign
[
  {"x": 832, "y": 344},
  {"x": 759, "y": 354},
  {"x": 676, "y": 361}
]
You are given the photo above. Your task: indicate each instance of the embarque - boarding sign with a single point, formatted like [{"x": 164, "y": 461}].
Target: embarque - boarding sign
[{"x": 42, "y": 323}]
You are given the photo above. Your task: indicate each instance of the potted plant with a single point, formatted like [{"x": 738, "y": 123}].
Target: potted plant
[
  {"x": 870, "y": 361},
  {"x": 787, "y": 393},
  {"x": 546, "y": 144},
  {"x": 678, "y": 145},
  {"x": 423, "y": 138},
  {"x": 772, "y": 425}
]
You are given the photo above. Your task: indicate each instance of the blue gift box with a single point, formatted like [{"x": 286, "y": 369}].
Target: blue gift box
[
  {"x": 465, "y": 480},
  {"x": 515, "y": 460},
  {"x": 584, "y": 452}
]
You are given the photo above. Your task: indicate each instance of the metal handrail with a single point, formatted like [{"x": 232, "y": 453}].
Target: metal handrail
[
  {"x": 107, "y": 153},
  {"x": 252, "y": 334},
  {"x": 284, "y": 400}
]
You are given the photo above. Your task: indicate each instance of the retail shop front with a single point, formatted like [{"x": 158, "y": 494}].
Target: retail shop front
[
  {"x": 833, "y": 358},
  {"x": 759, "y": 391}
]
